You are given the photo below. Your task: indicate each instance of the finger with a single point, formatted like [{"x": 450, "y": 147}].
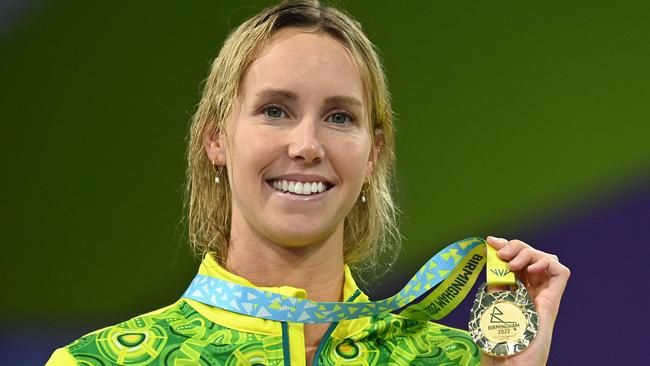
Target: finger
[
  {"x": 556, "y": 268},
  {"x": 540, "y": 266},
  {"x": 547, "y": 266},
  {"x": 497, "y": 288},
  {"x": 495, "y": 242},
  {"x": 511, "y": 249},
  {"x": 523, "y": 258},
  {"x": 553, "y": 276}
]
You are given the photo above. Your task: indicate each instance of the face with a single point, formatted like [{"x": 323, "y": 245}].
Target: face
[{"x": 297, "y": 147}]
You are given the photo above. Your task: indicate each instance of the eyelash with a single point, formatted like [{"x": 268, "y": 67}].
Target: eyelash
[{"x": 351, "y": 119}]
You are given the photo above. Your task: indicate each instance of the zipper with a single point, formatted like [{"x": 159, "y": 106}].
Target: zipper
[
  {"x": 329, "y": 331},
  {"x": 285, "y": 344}
]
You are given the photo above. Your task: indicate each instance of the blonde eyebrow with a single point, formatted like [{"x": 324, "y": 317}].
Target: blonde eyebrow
[
  {"x": 281, "y": 93},
  {"x": 287, "y": 94},
  {"x": 344, "y": 99}
]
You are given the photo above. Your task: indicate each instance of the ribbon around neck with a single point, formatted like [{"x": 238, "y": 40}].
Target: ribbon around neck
[{"x": 455, "y": 268}]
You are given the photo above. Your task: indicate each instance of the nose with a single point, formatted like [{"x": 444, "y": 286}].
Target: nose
[{"x": 305, "y": 144}]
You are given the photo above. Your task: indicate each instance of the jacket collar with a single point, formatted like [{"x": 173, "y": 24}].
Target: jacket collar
[{"x": 245, "y": 323}]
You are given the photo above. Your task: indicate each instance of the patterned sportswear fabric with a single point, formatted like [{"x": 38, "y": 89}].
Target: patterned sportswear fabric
[{"x": 190, "y": 333}]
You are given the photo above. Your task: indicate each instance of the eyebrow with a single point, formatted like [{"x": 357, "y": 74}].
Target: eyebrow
[
  {"x": 278, "y": 93},
  {"x": 287, "y": 94}
]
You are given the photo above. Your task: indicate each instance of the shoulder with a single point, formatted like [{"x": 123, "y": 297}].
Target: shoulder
[
  {"x": 135, "y": 341},
  {"x": 61, "y": 357}
]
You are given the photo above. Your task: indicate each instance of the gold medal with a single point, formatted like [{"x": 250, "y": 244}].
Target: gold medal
[{"x": 503, "y": 323}]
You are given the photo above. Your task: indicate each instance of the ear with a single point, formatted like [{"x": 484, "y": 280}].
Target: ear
[
  {"x": 374, "y": 153},
  {"x": 214, "y": 142}
]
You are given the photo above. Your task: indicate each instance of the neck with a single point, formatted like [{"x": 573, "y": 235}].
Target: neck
[{"x": 318, "y": 268}]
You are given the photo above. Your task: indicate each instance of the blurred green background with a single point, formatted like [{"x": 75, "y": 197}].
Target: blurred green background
[{"x": 509, "y": 114}]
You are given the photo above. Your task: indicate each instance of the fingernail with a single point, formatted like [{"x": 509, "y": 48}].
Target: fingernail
[{"x": 499, "y": 240}]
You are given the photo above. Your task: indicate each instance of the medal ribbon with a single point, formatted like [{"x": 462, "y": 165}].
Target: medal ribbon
[
  {"x": 457, "y": 266},
  {"x": 497, "y": 270}
]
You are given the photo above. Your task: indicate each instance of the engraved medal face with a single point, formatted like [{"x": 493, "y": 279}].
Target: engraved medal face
[{"x": 503, "y": 323}]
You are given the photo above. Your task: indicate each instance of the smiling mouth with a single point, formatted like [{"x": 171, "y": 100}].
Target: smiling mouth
[{"x": 299, "y": 188}]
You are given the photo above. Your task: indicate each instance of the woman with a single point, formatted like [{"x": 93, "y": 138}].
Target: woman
[{"x": 290, "y": 162}]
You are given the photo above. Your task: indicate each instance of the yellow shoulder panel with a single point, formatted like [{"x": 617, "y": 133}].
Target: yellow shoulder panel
[{"x": 61, "y": 357}]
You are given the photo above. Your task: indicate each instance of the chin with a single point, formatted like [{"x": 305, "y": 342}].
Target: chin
[{"x": 297, "y": 239}]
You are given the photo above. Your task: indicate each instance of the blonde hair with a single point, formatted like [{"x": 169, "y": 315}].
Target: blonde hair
[{"x": 371, "y": 228}]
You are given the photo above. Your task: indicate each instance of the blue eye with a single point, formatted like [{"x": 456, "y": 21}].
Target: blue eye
[
  {"x": 340, "y": 118},
  {"x": 274, "y": 112}
]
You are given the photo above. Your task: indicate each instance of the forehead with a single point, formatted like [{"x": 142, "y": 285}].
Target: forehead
[{"x": 310, "y": 64}]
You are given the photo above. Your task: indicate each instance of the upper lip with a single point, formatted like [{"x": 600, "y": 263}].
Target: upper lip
[{"x": 305, "y": 178}]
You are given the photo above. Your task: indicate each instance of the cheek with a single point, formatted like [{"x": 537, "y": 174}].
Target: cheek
[
  {"x": 251, "y": 151},
  {"x": 352, "y": 159}
]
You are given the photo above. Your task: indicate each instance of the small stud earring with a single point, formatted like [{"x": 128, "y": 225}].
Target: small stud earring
[{"x": 363, "y": 198}]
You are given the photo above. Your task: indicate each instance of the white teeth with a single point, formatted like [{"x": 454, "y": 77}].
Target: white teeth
[
  {"x": 306, "y": 189},
  {"x": 299, "y": 187}
]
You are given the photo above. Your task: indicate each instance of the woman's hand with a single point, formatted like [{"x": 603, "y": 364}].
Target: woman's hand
[{"x": 545, "y": 279}]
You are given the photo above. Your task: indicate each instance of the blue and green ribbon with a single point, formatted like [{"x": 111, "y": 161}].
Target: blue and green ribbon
[{"x": 457, "y": 266}]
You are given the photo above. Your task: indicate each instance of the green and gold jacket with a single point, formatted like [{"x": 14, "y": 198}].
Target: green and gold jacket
[{"x": 191, "y": 333}]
